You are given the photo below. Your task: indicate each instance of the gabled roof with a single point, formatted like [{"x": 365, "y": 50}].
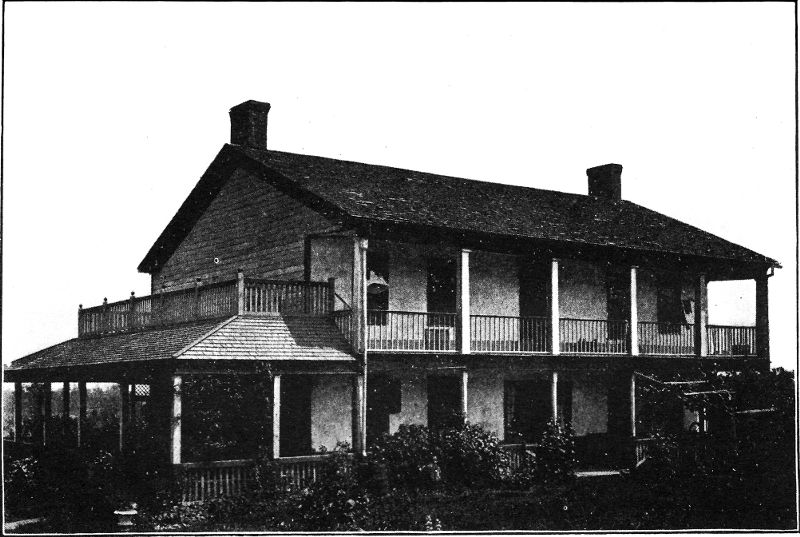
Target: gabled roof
[
  {"x": 379, "y": 194},
  {"x": 302, "y": 337}
]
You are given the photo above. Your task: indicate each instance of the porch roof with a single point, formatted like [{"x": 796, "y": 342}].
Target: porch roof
[{"x": 278, "y": 338}]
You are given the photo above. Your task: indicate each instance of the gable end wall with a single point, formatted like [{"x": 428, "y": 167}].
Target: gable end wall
[{"x": 249, "y": 225}]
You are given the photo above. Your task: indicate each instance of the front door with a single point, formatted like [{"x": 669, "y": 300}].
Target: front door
[{"x": 383, "y": 399}]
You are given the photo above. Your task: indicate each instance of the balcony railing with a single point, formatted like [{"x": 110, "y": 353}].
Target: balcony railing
[
  {"x": 216, "y": 300},
  {"x": 731, "y": 340},
  {"x": 411, "y": 331},
  {"x": 496, "y": 333},
  {"x": 593, "y": 336},
  {"x": 666, "y": 338}
]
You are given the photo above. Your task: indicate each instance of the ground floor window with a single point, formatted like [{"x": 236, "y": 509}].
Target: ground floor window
[{"x": 528, "y": 408}]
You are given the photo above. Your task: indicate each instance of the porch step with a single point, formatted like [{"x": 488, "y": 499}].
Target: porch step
[{"x": 598, "y": 473}]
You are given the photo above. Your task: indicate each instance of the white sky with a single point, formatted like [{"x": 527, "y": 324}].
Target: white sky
[{"x": 113, "y": 111}]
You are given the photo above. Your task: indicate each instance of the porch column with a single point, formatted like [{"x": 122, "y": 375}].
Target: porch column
[
  {"x": 359, "y": 286},
  {"x": 762, "y": 317},
  {"x": 633, "y": 320},
  {"x": 124, "y": 414},
  {"x": 462, "y": 303},
  {"x": 48, "y": 411},
  {"x": 276, "y": 416},
  {"x": 701, "y": 316},
  {"x": 18, "y": 411},
  {"x": 175, "y": 429},
  {"x": 359, "y": 431},
  {"x": 633, "y": 405},
  {"x": 65, "y": 400},
  {"x": 555, "y": 342},
  {"x": 81, "y": 410},
  {"x": 464, "y": 391},
  {"x": 554, "y": 396}
]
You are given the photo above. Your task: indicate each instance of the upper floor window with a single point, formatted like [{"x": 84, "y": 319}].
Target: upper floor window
[
  {"x": 669, "y": 307},
  {"x": 441, "y": 292},
  {"x": 377, "y": 287}
]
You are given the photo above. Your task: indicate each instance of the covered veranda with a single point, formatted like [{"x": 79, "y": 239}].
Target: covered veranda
[{"x": 155, "y": 369}]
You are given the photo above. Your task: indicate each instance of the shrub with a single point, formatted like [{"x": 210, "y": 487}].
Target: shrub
[
  {"x": 471, "y": 456},
  {"x": 554, "y": 455},
  {"x": 410, "y": 456}
]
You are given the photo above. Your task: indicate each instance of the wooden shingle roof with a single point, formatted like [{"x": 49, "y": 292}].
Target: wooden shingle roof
[
  {"x": 371, "y": 193},
  {"x": 302, "y": 337}
]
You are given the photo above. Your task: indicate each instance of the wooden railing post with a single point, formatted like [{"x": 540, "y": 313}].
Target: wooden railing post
[
  {"x": 554, "y": 396},
  {"x": 132, "y": 310},
  {"x": 240, "y": 292},
  {"x": 331, "y": 295},
  {"x": 106, "y": 316}
]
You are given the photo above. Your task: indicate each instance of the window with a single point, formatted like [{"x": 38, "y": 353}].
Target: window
[
  {"x": 441, "y": 290},
  {"x": 669, "y": 307},
  {"x": 377, "y": 287},
  {"x": 617, "y": 302}
]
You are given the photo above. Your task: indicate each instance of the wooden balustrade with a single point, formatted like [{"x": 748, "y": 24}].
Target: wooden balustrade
[
  {"x": 497, "y": 333},
  {"x": 210, "y": 301},
  {"x": 593, "y": 336},
  {"x": 666, "y": 338},
  {"x": 271, "y": 296},
  {"x": 731, "y": 340},
  {"x": 205, "y": 480},
  {"x": 201, "y": 481},
  {"x": 344, "y": 321},
  {"x": 641, "y": 449},
  {"x": 518, "y": 454},
  {"x": 411, "y": 331}
]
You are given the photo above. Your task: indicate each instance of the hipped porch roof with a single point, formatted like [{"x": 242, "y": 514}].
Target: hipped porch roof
[{"x": 276, "y": 338}]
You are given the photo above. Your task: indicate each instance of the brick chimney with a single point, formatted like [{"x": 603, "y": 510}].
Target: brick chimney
[
  {"x": 249, "y": 124},
  {"x": 606, "y": 181}
]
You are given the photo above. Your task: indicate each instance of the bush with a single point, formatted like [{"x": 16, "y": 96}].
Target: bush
[
  {"x": 410, "y": 456},
  {"x": 471, "y": 456},
  {"x": 554, "y": 455}
]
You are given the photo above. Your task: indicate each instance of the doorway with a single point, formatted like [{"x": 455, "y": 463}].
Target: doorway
[
  {"x": 444, "y": 402},
  {"x": 295, "y": 427}
]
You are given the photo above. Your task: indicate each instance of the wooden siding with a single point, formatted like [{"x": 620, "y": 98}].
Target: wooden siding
[{"x": 249, "y": 225}]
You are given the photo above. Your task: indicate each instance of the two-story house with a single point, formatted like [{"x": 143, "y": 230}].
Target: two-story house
[{"x": 380, "y": 297}]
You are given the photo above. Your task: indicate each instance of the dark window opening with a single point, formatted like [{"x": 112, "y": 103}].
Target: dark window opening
[
  {"x": 444, "y": 402},
  {"x": 383, "y": 399},
  {"x": 377, "y": 287},
  {"x": 617, "y": 302},
  {"x": 441, "y": 291},
  {"x": 295, "y": 428},
  {"x": 669, "y": 307}
]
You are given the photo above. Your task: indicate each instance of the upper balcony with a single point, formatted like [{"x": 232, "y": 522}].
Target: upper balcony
[{"x": 243, "y": 296}]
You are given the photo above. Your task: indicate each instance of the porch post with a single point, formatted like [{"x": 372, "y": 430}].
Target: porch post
[
  {"x": 464, "y": 392},
  {"x": 48, "y": 411},
  {"x": 633, "y": 405},
  {"x": 81, "y": 410},
  {"x": 124, "y": 414},
  {"x": 276, "y": 416},
  {"x": 701, "y": 316},
  {"x": 65, "y": 400},
  {"x": 359, "y": 433},
  {"x": 554, "y": 396},
  {"x": 462, "y": 303},
  {"x": 18, "y": 411},
  {"x": 555, "y": 343},
  {"x": 633, "y": 320},
  {"x": 175, "y": 429},
  {"x": 762, "y": 317}
]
